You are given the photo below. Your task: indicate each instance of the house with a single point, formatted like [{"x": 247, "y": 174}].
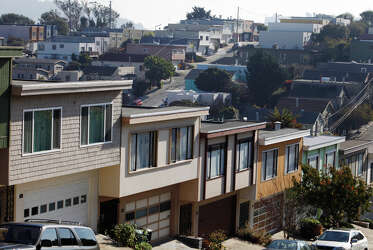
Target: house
[
  {"x": 36, "y": 68},
  {"x": 69, "y": 76},
  {"x": 192, "y": 44},
  {"x": 64, "y": 47},
  {"x": 322, "y": 151},
  {"x": 94, "y": 73},
  {"x": 158, "y": 176},
  {"x": 279, "y": 154},
  {"x": 28, "y": 33},
  {"x": 135, "y": 34},
  {"x": 284, "y": 39},
  {"x": 2, "y": 41},
  {"x": 204, "y": 98},
  {"x": 115, "y": 36},
  {"x": 123, "y": 60},
  {"x": 361, "y": 49},
  {"x": 61, "y": 135}
]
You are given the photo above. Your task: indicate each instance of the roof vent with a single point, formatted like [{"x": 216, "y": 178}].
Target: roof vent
[{"x": 277, "y": 125}]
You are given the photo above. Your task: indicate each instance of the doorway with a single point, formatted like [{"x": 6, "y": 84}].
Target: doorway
[
  {"x": 108, "y": 215},
  {"x": 186, "y": 219}
]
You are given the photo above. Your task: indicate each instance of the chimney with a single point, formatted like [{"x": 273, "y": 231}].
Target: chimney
[{"x": 277, "y": 125}]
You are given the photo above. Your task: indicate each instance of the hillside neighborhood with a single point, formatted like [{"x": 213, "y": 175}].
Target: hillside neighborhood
[{"x": 208, "y": 133}]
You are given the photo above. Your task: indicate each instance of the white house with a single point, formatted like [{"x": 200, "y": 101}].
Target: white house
[
  {"x": 63, "y": 47},
  {"x": 284, "y": 39}
]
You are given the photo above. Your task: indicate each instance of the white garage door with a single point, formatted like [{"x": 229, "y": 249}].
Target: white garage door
[
  {"x": 66, "y": 202},
  {"x": 153, "y": 213}
]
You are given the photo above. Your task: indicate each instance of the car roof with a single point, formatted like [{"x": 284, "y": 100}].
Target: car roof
[
  {"x": 343, "y": 230},
  {"x": 44, "y": 224}
]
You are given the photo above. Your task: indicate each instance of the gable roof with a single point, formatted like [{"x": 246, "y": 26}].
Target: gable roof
[
  {"x": 122, "y": 57},
  {"x": 315, "y": 90},
  {"x": 307, "y": 105}
]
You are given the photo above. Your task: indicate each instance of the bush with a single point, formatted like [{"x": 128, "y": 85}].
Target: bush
[
  {"x": 310, "y": 228},
  {"x": 216, "y": 239},
  {"x": 143, "y": 246},
  {"x": 256, "y": 237},
  {"x": 127, "y": 235}
]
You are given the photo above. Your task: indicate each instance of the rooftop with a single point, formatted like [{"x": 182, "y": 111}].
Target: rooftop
[
  {"x": 271, "y": 136},
  {"x": 316, "y": 142},
  {"x": 216, "y": 127},
  {"x": 351, "y": 145},
  {"x": 37, "y": 60},
  {"x": 121, "y": 57},
  {"x": 30, "y": 88},
  {"x": 309, "y": 89}
]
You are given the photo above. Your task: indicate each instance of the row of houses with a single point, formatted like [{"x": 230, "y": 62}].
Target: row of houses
[{"x": 72, "y": 151}]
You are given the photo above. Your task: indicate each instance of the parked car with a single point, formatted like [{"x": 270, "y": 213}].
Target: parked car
[
  {"x": 42, "y": 234},
  {"x": 342, "y": 239},
  {"x": 138, "y": 102},
  {"x": 288, "y": 245}
]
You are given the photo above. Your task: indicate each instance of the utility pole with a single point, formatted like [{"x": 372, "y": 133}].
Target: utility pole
[
  {"x": 110, "y": 17},
  {"x": 238, "y": 15}
]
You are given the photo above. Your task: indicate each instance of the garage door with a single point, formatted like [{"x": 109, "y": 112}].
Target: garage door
[
  {"x": 65, "y": 202},
  {"x": 217, "y": 215},
  {"x": 153, "y": 212}
]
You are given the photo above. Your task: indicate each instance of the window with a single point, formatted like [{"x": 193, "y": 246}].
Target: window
[
  {"x": 215, "y": 160},
  {"x": 43, "y": 208},
  {"x": 41, "y": 130},
  {"x": 360, "y": 164},
  {"x": 62, "y": 46},
  {"x": 34, "y": 211},
  {"x": 269, "y": 164},
  {"x": 245, "y": 154},
  {"x": 86, "y": 236},
  {"x": 96, "y": 124},
  {"x": 130, "y": 216},
  {"x": 165, "y": 206},
  {"x": 141, "y": 68},
  {"x": 59, "y": 204},
  {"x": 50, "y": 234},
  {"x": 26, "y": 212},
  {"x": 330, "y": 159},
  {"x": 291, "y": 158},
  {"x": 207, "y": 38},
  {"x": 313, "y": 161},
  {"x": 143, "y": 150},
  {"x": 68, "y": 202},
  {"x": 181, "y": 143},
  {"x": 83, "y": 199},
  {"x": 67, "y": 237},
  {"x": 52, "y": 206},
  {"x": 141, "y": 213},
  {"x": 54, "y": 47},
  {"x": 244, "y": 214},
  {"x": 76, "y": 201}
]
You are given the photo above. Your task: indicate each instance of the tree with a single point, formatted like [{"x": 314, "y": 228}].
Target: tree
[
  {"x": 357, "y": 29},
  {"x": 261, "y": 27},
  {"x": 214, "y": 80},
  {"x": 53, "y": 18},
  {"x": 333, "y": 31},
  {"x": 287, "y": 119},
  {"x": 105, "y": 17},
  {"x": 360, "y": 116},
  {"x": 367, "y": 17},
  {"x": 87, "y": 9},
  {"x": 84, "y": 23},
  {"x": 12, "y": 18},
  {"x": 158, "y": 69},
  {"x": 199, "y": 13},
  {"x": 264, "y": 76},
  {"x": 351, "y": 195},
  {"x": 72, "y": 10},
  {"x": 128, "y": 26},
  {"x": 346, "y": 15}
]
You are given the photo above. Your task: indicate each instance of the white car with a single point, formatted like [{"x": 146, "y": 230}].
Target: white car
[{"x": 341, "y": 239}]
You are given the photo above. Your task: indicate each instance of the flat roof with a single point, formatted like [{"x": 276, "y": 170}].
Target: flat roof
[
  {"x": 10, "y": 51},
  {"x": 354, "y": 144},
  {"x": 316, "y": 142},
  {"x": 268, "y": 137},
  {"x": 32, "y": 88},
  {"x": 216, "y": 127}
]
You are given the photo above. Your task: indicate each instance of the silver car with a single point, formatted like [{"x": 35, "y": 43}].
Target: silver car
[{"x": 47, "y": 234}]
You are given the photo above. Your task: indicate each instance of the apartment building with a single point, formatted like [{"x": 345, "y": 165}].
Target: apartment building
[
  {"x": 36, "y": 68},
  {"x": 279, "y": 154},
  {"x": 61, "y": 135}
]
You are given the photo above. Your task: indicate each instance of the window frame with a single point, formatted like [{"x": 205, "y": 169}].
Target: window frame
[
  {"x": 155, "y": 146},
  {"x": 334, "y": 152},
  {"x": 362, "y": 164},
  {"x": 317, "y": 161},
  {"x": 250, "y": 165},
  {"x": 32, "y": 132},
  {"x": 80, "y": 121},
  {"x": 287, "y": 156},
  {"x": 274, "y": 175},
  {"x": 218, "y": 146},
  {"x": 178, "y": 138}
]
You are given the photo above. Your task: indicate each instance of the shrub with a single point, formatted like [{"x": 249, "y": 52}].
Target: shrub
[
  {"x": 124, "y": 235},
  {"x": 216, "y": 239},
  {"x": 143, "y": 246},
  {"x": 257, "y": 237},
  {"x": 310, "y": 228}
]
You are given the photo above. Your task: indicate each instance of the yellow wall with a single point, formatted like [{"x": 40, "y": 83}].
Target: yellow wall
[{"x": 281, "y": 181}]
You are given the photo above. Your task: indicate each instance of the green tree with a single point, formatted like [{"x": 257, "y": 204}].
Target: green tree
[
  {"x": 214, "y": 80},
  {"x": 367, "y": 17},
  {"x": 357, "y": 29},
  {"x": 12, "y": 18},
  {"x": 360, "y": 116},
  {"x": 53, "y": 18},
  {"x": 333, "y": 31},
  {"x": 105, "y": 17},
  {"x": 158, "y": 69},
  {"x": 264, "y": 76},
  {"x": 199, "y": 13},
  {"x": 346, "y": 15},
  {"x": 72, "y": 10},
  {"x": 261, "y": 27},
  {"x": 351, "y": 195},
  {"x": 287, "y": 119}
]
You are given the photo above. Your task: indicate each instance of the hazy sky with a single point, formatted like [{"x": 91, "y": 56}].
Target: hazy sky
[{"x": 151, "y": 12}]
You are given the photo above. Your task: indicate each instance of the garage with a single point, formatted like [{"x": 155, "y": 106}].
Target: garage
[
  {"x": 217, "y": 215},
  {"x": 66, "y": 202},
  {"x": 153, "y": 212}
]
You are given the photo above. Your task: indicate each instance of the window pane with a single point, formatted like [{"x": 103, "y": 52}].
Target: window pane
[
  {"x": 68, "y": 202},
  {"x": 35, "y": 211},
  {"x": 141, "y": 213},
  {"x": 208, "y": 163},
  {"x": 215, "y": 163},
  {"x": 154, "y": 209},
  {"x": 183, "y": 143},
  {"x": 86, "y": 236},
  {"x": 108, "y": 124},
  {"x": 270, "y": 164},
  {"x": 42, "y": 130},
  {"x": 164, "y": 206},
  {"x": 27, "y": 133},
  {"x": 67, "y": 237},
  {"x": 312, "y": 162},
  {"x": 360, "y": 164},
  {"x": 243, "y": 154},
  {"x": 52, "y": 206},
  {"x": 96, "y": 124},
  {"x": 56, "y": 128},
  {"x": 50, "y": 234},
  {"x": 291, "y": 158},
  {"x": 173, "y": 144},
  {"x": 143, "y": 147},
  {"x": 190, "y": 142},
  {"x": 330, "y": 159},
  {"x": 133, "y": 152},
  {"x": 84, "y": 126}
]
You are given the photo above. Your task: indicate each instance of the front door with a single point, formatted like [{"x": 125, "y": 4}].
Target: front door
[
  {"x": 186, "y": 219},
  {"x": 108, "y": 215}
]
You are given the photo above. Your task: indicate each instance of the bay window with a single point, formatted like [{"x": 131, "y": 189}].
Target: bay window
[
  {"x": 269, "y": 164},
  {"x": 96, "y": 124},
  {"x": 245, "y": 154},
  {"x": 215, "y": 160},
  {"x": 143, "y": 150},
  {"x": 41, "y": 130},
  {"x": 182, "y": 143},
  {"x": 291, "y": 158}
]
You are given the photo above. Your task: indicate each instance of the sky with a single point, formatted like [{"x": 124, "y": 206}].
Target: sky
[{"x": 151, "y": 13}]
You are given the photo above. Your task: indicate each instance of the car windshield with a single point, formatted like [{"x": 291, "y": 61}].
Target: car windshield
[
  {"x": 283, "y": 244},
  {"x": 20, "y": 234},
  {"x": 335, "y": 236}
]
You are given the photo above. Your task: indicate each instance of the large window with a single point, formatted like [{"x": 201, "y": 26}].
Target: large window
[
  {"x": 41, "y": 130},
  {"x": 182, "y": 144},
  {"x": 215, "y": 160},
  {"x": 313, "y": 161},
  {"x": 143, "y": 150},
  {"x": 245, "y": 154},
  {"x": 269, "y": 164},
  {"x": 360, "y": 164},
  {"x": 330, "y": 159},
  {"x": 291, "y": 158},
  {"x": 96, "y": 124}
]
